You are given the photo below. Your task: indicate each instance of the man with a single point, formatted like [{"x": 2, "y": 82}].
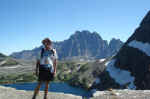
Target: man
[{"x": 46, "y": 67}]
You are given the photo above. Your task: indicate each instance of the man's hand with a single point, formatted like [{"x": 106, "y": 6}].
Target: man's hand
[
  {"x": 55, "y": 64},
  {"x": 54, "y": 73},
  {"x": 37, "y": 68},
  {"x": 37, "y": 73}
]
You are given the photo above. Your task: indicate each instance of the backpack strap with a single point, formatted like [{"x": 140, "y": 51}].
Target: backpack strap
[
  {"x": 52, "y": 51},
  {"x": 42, "y": 51}
]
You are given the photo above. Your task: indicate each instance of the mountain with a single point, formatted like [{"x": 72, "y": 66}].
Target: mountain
[
  {"x": 6, "y": 60},
  {"x": 27, "y": 54},
  {"x": 2, "y": 55},
  {"x": 113, "y": 46},
  {"x": 130, "y": 68},
  {"x": 80, "y": 45}
]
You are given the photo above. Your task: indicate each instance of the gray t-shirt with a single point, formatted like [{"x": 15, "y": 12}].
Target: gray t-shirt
[{"x": 48, "y": 58}]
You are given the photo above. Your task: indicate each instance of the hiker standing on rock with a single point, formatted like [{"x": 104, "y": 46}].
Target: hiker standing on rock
[{"x": 45, "y": 67}]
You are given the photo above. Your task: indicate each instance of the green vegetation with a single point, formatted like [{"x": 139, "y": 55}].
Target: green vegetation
[
  {"x": 70, "y": 72},
  {"x": 15, "y": 78},
  {"x": 9, "y": 61},
  {"x": 65, "y": 72},
  {"x": 84, "y": 68}
]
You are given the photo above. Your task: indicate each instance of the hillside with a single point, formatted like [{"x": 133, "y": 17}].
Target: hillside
[
  {"x": 87, "y": 74},
  {"x": 130, "y": 68},
  {"x": 2, "y": 55},
  {"x": 7, "y": 61}
]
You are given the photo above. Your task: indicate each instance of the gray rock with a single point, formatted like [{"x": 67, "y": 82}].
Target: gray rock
[
  {"x": 133, "y": 57},
  {"x": 80, "y": 45},
  {"x": 11, "y": 93},
  {"x": 122, "y": 94}
]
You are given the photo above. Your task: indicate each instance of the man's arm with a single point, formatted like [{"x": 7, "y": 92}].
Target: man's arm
[
  {"x": 55, "y": 66},
  {"x": 37, "y": 67},
  {"x": 54, "y": 58}
]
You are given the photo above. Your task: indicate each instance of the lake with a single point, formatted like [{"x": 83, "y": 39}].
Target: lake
[{"x": 54, "y": 87}]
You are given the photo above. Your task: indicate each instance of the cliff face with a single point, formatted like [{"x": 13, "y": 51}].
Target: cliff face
[
  {"x": 130, "y": 68},
  {"x": 80, "y": 45},
  {"x": 134, "y": 56}
]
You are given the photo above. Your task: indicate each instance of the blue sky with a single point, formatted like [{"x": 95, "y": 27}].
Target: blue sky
[{"x": 24, "y": 23}]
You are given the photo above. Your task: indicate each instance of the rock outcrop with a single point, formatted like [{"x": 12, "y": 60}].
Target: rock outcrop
[
  {"x": 11, "y": 93},
  {"x": 122, "y": 94},
  {"x": 130, "y": 68},
  {"x": 134, "y": 56},
  {"x": 81, "y": 45}
]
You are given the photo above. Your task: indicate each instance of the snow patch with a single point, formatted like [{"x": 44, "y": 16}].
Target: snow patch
[
  {"x": 98, "y": 93},
  {"x": 117, "y": 94},
  {"x": 144, "y": 47},
  {"x": 106, "y": 64},
  {"x": 102, "y": 60},
  {"x": 120, "y": 76},
  {"x": 12, "y": 67}
]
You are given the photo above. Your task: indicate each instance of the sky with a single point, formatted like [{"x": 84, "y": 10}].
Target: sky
[{"x": 24, "y": 23}]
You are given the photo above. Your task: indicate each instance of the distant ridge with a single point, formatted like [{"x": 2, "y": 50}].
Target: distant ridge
[
  {"x": 81, "y": 45},
  {"x": 2, "y": 55},
  {"x": 6, "y": 60}
]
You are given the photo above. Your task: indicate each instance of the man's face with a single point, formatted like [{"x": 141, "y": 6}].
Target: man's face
[{"x": 47, "y": 44}]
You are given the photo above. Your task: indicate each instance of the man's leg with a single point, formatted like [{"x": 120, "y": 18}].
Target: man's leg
[
  {"x": 46, "y": 89},
  {"x": 36, "y": 91}
]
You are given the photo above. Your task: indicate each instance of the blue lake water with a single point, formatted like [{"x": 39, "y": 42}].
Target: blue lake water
[{"x": 54, "y": 87}]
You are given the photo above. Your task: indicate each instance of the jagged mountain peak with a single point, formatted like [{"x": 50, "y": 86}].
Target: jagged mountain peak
[
  {"x": 85, "y": 34},
  {"x": 114, "y": 40},
  {"x": 81, "y": 44},
  {"x": 146, "y": 20},
  {"x": 142, "y": 33},
  {"x": 134, "y": 56}
]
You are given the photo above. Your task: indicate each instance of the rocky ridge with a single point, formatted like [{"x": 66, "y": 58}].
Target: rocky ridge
[
  {"x": 80, "y": 45},
  {"x": 130, "y": 67},
  {"x": 11, "y": 93}
]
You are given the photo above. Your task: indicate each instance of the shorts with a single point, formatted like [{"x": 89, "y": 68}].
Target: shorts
[{"x": 45, "y": 74}]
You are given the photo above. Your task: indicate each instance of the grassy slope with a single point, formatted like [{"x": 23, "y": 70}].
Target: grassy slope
[{"x": 81, "y": 74}]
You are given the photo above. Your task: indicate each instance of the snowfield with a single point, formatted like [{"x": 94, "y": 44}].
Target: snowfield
[
  {"x": 144, "y": 47},
  {"x": 122, "y": 77},
  {"x": 102, "y": 60}
]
